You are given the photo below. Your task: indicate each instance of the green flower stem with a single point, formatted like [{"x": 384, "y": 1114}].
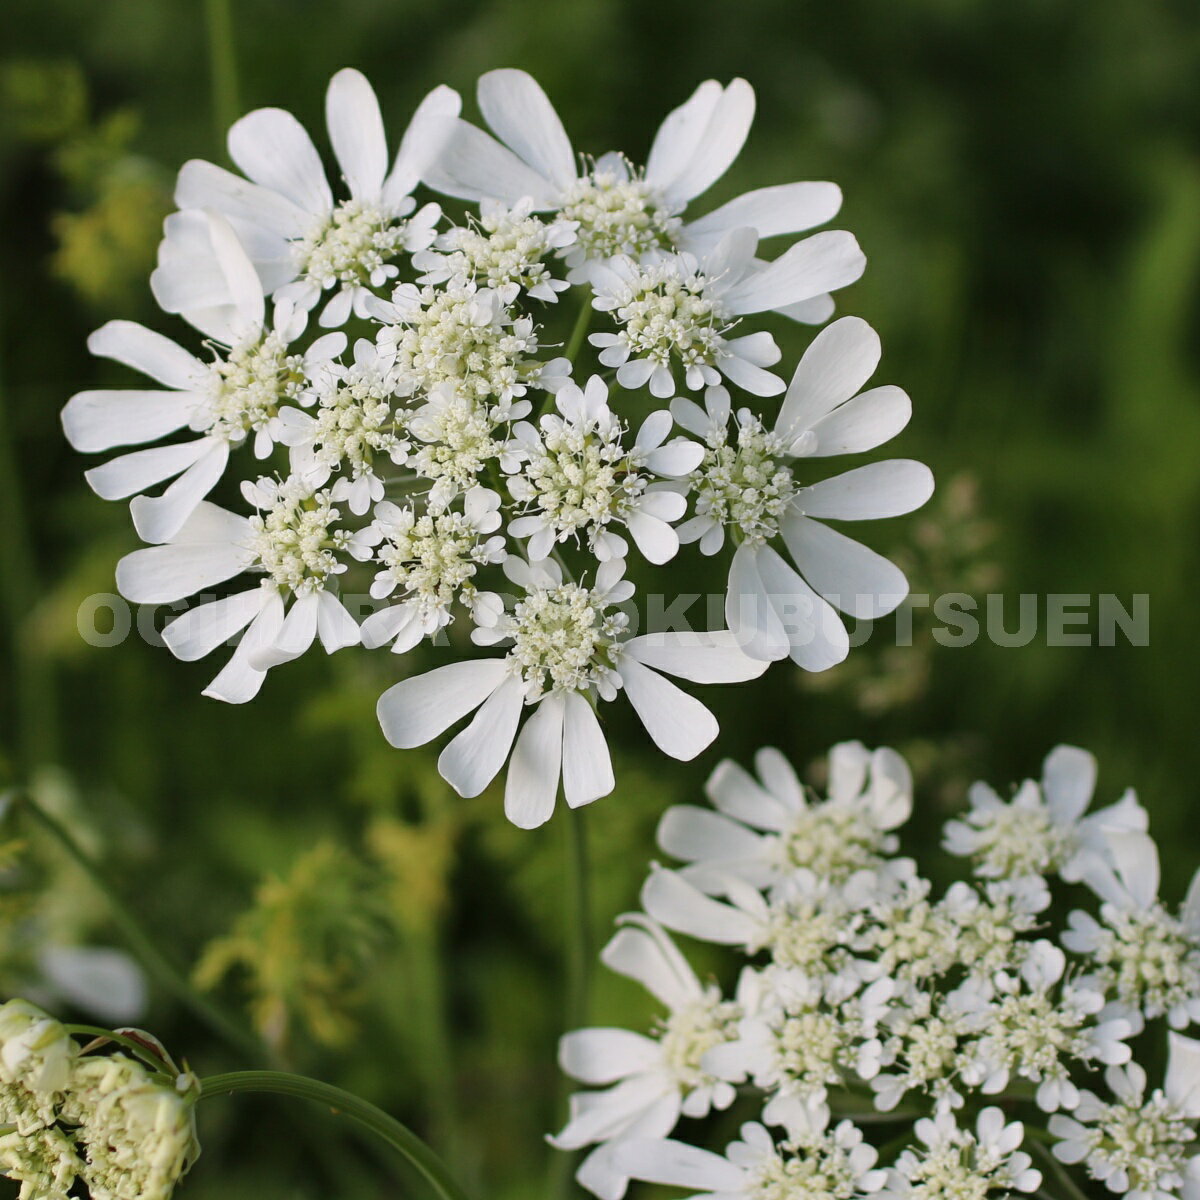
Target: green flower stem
[
  {"x": 579, "y": 951},
  {"x": 222, "y": 63},
  {"x": 574, "y": 344},
  {"x": 158, "y": 966},
  {"x": 278, "y": 1083},
  {"x": 581, "y": 325},
  {"x": 579, "y": 934}
]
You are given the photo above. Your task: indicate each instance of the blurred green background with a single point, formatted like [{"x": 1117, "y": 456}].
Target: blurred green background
[{"x": 1025, "y": 179}]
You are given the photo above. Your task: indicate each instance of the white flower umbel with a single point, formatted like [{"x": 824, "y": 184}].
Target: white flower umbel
[
  {"x": 236, "y": 397},
  {"x": 44, "y": 1162},
  {"x": 293, "y": 542},
  {"x": 1034, "y": 1024},
  {"x": 430, "y": 559},
  {"x": 350, "y": 428},
  {"x": 302, "y": 241},
  {"x": 801, "y": 1035},
  {"x": 137, "y": 1132},
  {"x": 675, "y": 310},
  {"x": 1147, "y": 957},
  {"x": 961, "y": 1164},
  {"x": 648, "y": 1081},
  {"x": 747, "y": 486},
  {"x": 576, "y": 477},
  {"x": 813, "y": 1163},
  {"x": 619, "y": 208},
  {"x": 1042, "y": 830},
  {"x": 569, "y": 650},
  {"x": 506, "y": 250},
  {"x": 1138, "y": 1145},
  {"x": 765, "y": 828}
]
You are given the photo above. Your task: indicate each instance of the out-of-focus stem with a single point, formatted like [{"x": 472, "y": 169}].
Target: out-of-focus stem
[
  {"x": 415, "y": 1151},
  {"x": 222, "y": 61},
  {"x": 158, "y": 966}
]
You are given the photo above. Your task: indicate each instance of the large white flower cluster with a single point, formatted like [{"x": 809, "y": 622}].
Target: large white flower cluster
[
  {"x": 885, "y": 1039},
  {"x": 386, "y": 381}
]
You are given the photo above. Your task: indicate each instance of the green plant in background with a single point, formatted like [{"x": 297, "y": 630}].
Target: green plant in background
[{"x": 1030, "y": 230}]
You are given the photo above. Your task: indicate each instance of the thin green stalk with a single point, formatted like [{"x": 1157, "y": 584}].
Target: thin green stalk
[
  {"x": 574, "y": 344},
  {"x": 579, "y": 934},
  {"x": 578, "y": 953},
  {"x": 428, "y": 980},
  {"x": 415, "y": 1151},
  {"x": 222, "y": 63},
  {"x": 581, "y": 325},
  {"x": 159, "y": 967}
]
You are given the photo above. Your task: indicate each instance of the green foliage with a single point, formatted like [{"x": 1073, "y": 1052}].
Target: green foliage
[{"x": 1023, "y": 177}]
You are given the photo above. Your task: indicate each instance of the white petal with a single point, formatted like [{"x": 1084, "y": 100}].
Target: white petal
[
  {"x": 431, "y": 124},
  {"x": 159, "y": 518},
  {"x": 1183, "y": 1075},
  {"x": 748, "y": 610},
  {"x": 335, "y": 626},
  {"x": 245, "y": 287},
  {"x": 200, "y": 630},
  {"x": 474, "y": 758},
  {"x": 105, "y": 983},
  {"x": 785, "y": 208},
  {"x": 130, "y": 473},
  {"x": 532, "y": 784},
  {"x": 700, "y": 835},
  {"x": 848, "y": 574},
  {"x": 736, "y": 793},
  {"x": 296, "y": 634},
  {"x": 356, "y": 130},
  {"x": 274, "y": 150},
  {"x": 657, "y": 541},
  {"x": 414, "y": 711},
  {"x": 100, "y": 420},
  {"x": 238, "y": 681},
  {"x": 642, "y": 951},
  {"x": 380, "y": 627},
  {"x": 722, "y": 140},
  {"x": 474, "y": 166},
  {"x": 203, "y": 185},
  {"x": 861, "y": 424},
  {"x": 521, "y": 115},
  {"x": 679, "y": 1165},
  {"x": 679, "y": 136},
  {"x": 162, "y": 574},
  {"x": 714, "y": 657},
  {"x": 678, "y": 723},
  {"x": 678, "y": 905},
  {"x": 678, "y": 457},
  {"x": 587, "y": 767},
  {"x": 602, "y": 1056},
  {"x": 816, "y": 635},
  {"x": 882, "y": 489},
  {"x": 750, "y": 378},
  {"x": 148, "y": 352},
  {"x": 821, "y": 263},
  {"x": 1068, "y": 779},
  {"x": 839, "y": 362}
]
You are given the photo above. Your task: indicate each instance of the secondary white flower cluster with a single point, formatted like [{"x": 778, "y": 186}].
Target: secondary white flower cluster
[
  {"x": 123, "y": 1130},
  {"x": 871, "y": 1011},
  {"x": 429, "y": 439}
]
